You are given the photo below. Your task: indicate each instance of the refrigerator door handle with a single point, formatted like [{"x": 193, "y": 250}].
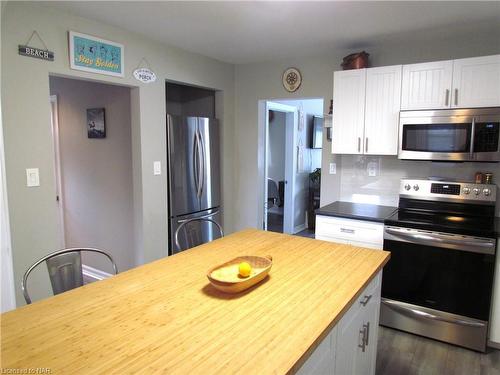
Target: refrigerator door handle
[
  {"x": 199, "y": 164},
  {"x": 199, "y": 217},
  {"x": 195, "y": 163},
  {"x": 202, "y": 163}
]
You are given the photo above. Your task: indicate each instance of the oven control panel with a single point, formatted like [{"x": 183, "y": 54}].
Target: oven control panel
[{"x": 444, "y": 190}]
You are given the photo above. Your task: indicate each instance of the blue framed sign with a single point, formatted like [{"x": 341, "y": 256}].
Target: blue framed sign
[{"x": 95, "y": 55}]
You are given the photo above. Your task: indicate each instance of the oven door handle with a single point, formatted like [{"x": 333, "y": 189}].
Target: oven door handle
[
  {"x": 436, "y": 239},
  {"x": 422, "y": 314}
]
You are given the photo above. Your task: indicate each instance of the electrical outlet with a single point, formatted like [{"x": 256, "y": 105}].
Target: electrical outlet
[
  {"x": 333, "y": 168},
  {"x": 372, "y": 168}
]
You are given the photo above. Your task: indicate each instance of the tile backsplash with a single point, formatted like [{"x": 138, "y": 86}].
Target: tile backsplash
[{"x": 375, "y": 179}]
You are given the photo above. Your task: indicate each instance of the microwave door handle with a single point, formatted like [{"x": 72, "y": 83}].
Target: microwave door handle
[{"x": 472, "y": 135}]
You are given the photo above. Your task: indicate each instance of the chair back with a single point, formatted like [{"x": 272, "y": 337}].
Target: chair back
[
  {"x": 65, "y": 269},
  {"x": 176, "y": 235}
]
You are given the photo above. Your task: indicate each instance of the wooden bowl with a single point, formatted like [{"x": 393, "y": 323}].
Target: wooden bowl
[{"x": 226, "y": 278}]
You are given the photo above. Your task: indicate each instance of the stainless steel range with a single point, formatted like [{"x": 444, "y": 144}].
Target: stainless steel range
[{"x": 439, "y": 280}]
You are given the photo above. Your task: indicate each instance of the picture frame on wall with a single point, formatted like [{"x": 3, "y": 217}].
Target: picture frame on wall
[
  {"x": 96, "y": 55},
  {"x": 96, "y": 123}
]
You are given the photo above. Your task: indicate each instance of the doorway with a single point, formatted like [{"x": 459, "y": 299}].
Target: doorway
[
  {"x": 291, "y": 163},
  {"x": 279, "y": 173},
  {"x": 92, "y": 134}
]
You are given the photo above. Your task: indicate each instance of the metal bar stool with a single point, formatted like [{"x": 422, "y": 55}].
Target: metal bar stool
[
  {"x": 176, "y": 236},
  {"x": 65, "y": 269}
]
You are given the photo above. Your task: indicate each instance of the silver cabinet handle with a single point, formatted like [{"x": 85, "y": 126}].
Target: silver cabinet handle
[
  {"x": 422, "y": 314},
  {"x": 362, "y": 333},
  {"x": 447, "y": 100},
  {"x": 456, "y": 96},
  {"x": 367, "y": 325},
  {"x": 347, "y": 230},
  {"x": 366, "y": 144},
  {"x": 366, "y": 300},
  {"x": 359, "y": 144}
]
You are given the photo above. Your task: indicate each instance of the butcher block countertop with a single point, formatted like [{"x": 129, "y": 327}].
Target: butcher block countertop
[{"x": 165, "y": 317}]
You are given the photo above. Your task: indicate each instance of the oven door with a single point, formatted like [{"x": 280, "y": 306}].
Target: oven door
[
  {"x": 438, "y": 285},
  {"x": 436, "y": 138}
]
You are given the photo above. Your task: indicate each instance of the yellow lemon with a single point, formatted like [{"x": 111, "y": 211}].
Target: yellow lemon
[{"x": 245, "y": 269}]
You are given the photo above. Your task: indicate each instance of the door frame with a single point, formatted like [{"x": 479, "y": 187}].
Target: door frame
[
  {"x": 54, "y": 115},
  {"x": 290, "y": 161}
]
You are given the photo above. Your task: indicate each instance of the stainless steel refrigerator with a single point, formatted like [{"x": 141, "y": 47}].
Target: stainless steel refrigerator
[{"x": 193, "y": 179}]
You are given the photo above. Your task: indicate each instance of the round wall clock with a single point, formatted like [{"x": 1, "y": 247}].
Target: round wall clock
[{"x": 291, "y": 79}]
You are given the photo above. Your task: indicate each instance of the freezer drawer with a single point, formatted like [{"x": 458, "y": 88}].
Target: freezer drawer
[{"x": 194, "y": 233}]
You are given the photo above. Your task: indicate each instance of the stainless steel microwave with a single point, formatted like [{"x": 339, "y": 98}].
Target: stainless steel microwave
[{"x": 450, "y": 135}]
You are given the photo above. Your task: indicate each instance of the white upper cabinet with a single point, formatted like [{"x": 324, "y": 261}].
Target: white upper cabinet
[
  {"x": 349, "y": 113},
  {"x": 383, "y": 102},
  {"x": 427, "y": 85},
  {"x": 476, "y": 82},
  {"x": 367, "y": 104},
  {"x": 463, "y": 83}
]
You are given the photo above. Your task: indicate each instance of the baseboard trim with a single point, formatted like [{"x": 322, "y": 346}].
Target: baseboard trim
[
  {"x": 494, "y": 345},
  {"x": 91, "y": 274},
  {"x": 299, "y": 228}
]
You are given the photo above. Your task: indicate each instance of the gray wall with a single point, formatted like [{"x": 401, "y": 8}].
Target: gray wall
[
  {"x": 262, "y": 81},
  {"x": 96, "y": 174},
  {"x": 27, "y": 131}
]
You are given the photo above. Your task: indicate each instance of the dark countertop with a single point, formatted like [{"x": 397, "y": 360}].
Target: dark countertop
[{"x": 357, "y": 211}]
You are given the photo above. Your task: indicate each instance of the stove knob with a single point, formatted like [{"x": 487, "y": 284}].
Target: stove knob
[
  {"x": 415, "y": 187},
  {"x": 407, "y": 187},
  {"x": 476, "y": 191},
  {"x": 466, "y": 190},
  {"x": 487, "y": 192}
]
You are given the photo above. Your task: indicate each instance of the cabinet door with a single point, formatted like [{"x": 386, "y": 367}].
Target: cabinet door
[
  {"x": 322, "y": 360},
  {"x": 349, "y": 113},
  {"x": 350, "y": 356},
  {"x": 427, "y": 85},
  {"x": 476, "y": 82},
  {"x": 383, "y": 102}
]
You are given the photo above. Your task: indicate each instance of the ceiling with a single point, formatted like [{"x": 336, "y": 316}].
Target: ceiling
[{"x": 251, "y": 31}]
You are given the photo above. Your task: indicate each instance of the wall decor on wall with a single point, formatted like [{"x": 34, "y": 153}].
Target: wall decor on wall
[
  {"x": 144, "y": 75},
  {"x": 95, "y": 55},
  {"x": 96, "y": 123},
  {"x": 26, "y": 50},
  {"x": 291, "y": 79}
]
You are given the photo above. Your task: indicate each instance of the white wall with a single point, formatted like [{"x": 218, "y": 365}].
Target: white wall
[
  {"x": 261, "y": 81},
  {"x": 96, "y": 174},
  {"x": 27, "y": 132},
  {"x": 276, "y": 155}
]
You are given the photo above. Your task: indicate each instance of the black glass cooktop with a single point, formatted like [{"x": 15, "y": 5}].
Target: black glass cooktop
[{"x": 470, "y": 225}]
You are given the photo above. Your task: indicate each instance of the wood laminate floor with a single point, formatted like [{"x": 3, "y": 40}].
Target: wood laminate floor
[{"x": 402, "y": 353}]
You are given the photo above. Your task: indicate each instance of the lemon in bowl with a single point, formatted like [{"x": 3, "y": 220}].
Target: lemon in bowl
[{"x": 244, "y": 269}]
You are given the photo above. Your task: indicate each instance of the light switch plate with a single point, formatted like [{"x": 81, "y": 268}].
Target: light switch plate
[
  {"x": 157, "y": 168},
  {"x": 333, "y": 168},
  {"x": 32, "y": 177}
]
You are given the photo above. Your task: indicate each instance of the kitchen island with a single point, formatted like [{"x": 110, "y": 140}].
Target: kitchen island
[{"x": 165, "y": 317}]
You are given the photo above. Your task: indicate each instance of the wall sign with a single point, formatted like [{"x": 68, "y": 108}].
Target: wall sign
[
  {"x": 44, "y": 54},
  {"x": 95, "y": 55},
  {"x": 36, "y": 52},
  {"x": 144, "y": 75}
]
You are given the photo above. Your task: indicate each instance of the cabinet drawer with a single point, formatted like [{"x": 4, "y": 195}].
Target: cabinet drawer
[{"x": 332, "y": 228}]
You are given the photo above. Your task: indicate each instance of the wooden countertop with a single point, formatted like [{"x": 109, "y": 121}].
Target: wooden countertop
[{"x": 165, "y": 317}]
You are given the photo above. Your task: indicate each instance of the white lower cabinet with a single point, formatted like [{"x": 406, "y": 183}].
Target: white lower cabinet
[
  {"x": 351, "y": 346},
  {"x": 348, "y": 231}
]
